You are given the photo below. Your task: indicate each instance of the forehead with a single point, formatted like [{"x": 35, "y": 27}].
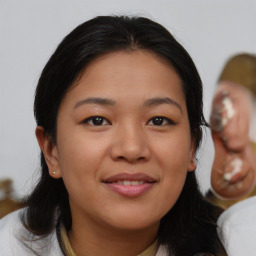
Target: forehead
[
  {"x": 142, "y": 63},
  {"x": 133, "y": 74}
]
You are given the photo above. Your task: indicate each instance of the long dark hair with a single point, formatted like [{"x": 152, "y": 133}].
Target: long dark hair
[{"x": 190, "y": 226}]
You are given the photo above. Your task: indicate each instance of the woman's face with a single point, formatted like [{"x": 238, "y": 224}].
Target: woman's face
[{"x": 123, "y": 141}]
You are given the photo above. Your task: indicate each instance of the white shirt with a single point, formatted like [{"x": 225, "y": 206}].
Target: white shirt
[
  {"x": 237, "y": 228},
  {"x": 11, "y": 232}
]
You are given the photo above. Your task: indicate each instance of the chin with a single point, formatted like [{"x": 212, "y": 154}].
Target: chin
[
  {"x": 136, "y": 225},
  {"x": 134, "y": 222}
]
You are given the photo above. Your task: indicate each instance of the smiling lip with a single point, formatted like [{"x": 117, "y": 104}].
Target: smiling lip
[{"x": 130, "y": 185}]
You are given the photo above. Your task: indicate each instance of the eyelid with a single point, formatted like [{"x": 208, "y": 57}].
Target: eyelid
[
  {"x": 169, "y": 121},
  {"x": 90, "y": 119}
]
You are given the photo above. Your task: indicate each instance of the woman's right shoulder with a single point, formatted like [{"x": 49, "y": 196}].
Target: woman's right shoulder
[
  {"x": 15, "y": 239},
  {"x": 9, "y": 229},
  {"x": 9, "y": 223},
  {"x": 12, "y": 232}
]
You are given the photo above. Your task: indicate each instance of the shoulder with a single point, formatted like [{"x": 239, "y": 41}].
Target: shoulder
[
  {"x": 237, "y": 228},
  {"x": 16, "y": 240},
  {"x": 8, "y": 226}
]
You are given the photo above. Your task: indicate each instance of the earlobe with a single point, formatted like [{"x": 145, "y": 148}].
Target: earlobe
[
  {"x": 50, "y": 152},
  {"x": 192, "y": 165},
  {"x": 192, "y": 162}
]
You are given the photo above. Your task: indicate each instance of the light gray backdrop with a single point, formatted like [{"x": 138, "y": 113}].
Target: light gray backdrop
[{"x": 210, "y": 30}]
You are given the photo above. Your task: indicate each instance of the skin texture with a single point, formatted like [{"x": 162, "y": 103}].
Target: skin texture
[
  {"x": 127, "y": 141},
  {"x": 232, "y": 143}
]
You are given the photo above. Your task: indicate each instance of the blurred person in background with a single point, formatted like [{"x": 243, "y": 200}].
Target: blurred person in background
[
  {"x": 233, "y": 178},
  {"x": 233, "y": 126}
]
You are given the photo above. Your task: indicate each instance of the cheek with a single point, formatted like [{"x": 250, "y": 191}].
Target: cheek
[
  {"x": 172, "y": 183},
  {"x": 174, "y": 174},
  {"x": 81, "y": 154},
  {"x": 173, "y": 156},
  {"x": 173, "y": 152},
  {"x": 80, "y": 158}
]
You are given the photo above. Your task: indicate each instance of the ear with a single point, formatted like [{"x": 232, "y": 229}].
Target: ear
[
  {"x": 50, "y": 152},
  {"x": 192, "y": 160}
]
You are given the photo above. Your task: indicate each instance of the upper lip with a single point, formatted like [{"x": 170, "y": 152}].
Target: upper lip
[{"x": 130, "y": 177}]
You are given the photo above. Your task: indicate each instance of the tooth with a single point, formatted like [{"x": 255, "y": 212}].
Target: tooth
[
  {"x": 227, "y": 176},
  {"x": 237, "y": 164},
  {"x": 126, "y": 182},
  {"x": 135, "y": 183},
  {"x": 141, "y": 182},
  {"x": 120, "y": 182}
]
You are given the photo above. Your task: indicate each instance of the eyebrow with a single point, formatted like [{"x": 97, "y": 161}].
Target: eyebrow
[
  {"x": 109, "y": 102},
  {"x": 95, "y": 100},
  {"x": 165, "y": 100}
]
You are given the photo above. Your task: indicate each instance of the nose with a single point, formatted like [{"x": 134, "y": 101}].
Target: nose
[{"x": 130, "y": 144}]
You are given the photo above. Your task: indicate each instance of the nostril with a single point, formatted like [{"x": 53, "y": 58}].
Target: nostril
[
  {"x": 129, "y": 149},
  {"x": 131, "y": 159}
]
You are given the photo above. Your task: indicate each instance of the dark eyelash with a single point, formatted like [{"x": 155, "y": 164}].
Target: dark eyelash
[
  {"x": 85, "y": 121},
  {"x": 170, "y": 121}
]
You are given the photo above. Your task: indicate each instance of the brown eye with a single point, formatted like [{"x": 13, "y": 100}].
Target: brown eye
[
  {"x": 157, "y": 121},
  {"x": 96, "y": 121},
  {"x": 160, "y": 120}
]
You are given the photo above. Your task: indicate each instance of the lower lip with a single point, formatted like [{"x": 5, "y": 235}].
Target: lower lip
[{"x": 130, "y": 191}]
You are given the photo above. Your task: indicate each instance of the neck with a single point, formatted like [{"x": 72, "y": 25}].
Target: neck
[{"x": 90, "y": 238}]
